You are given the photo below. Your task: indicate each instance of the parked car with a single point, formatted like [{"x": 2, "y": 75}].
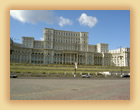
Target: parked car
[
  {"x": 106, "y": 73},
  {"x": 13, "y": 76},
  {"x": 125, "y": 75},
  {"x": 86, "y": 76}
]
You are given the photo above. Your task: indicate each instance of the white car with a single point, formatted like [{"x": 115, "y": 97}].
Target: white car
[{"x": 86, "y": 76}]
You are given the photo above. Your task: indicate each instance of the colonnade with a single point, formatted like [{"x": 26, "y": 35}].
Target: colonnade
[{"x": 68, "y": 58}]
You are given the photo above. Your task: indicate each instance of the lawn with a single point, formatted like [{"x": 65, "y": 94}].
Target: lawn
[{"x": 35, "y": 69}]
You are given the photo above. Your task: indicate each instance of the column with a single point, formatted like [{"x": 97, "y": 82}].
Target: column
[
  {"x": 70, "y": 58},
  {"x": 59, "y": 57},
  {"x": 52, "y": 53},
  {"x": 98, "y": 60},
  {"x": 74, "y": 58},
  {"x": 19, "y": 58},
  {"x": 77, "y": 59},
  {"x": 62, "y": 58},
  {"x": 44, "y": 55},
  {"x": 103, "y": 59},
  {"x": 92, "y": 59},
  {"x": 124, "y": 58},
  {"x": 37, "y": 58},
  {"x": 65, "y": 58},
  {"x": 85, "y": 58}
]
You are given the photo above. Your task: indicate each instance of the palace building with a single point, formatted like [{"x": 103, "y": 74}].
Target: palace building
[{"x": 66, "y": 47}]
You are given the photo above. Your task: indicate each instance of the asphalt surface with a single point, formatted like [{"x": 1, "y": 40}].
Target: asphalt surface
[{"x": 69, "y": 89}]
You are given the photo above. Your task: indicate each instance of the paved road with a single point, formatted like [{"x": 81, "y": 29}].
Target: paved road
[{"x": 69, "y": 89}]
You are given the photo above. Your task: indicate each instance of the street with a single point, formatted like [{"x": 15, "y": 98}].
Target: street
[{"x": 69, "y": 89}]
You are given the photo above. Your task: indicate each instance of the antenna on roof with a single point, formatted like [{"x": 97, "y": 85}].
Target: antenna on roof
[{"x": 120, "y": 49}]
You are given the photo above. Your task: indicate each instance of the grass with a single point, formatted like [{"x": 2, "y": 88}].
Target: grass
[{"x": 59, "y": 69}]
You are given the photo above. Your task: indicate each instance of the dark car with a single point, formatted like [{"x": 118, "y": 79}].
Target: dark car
[
  {"x": 13, "y": 76},
  {"x": 126, "y": 75}
]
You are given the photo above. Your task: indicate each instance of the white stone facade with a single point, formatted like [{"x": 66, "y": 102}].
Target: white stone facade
[
  {"x": 120, "y": 57},
  {"x": 66, "y": 47}
]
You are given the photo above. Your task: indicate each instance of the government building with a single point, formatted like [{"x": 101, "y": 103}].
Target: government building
[{"x": 66, "y": 47}]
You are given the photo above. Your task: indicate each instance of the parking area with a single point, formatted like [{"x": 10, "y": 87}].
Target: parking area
[{"x": 69, "y": 89}]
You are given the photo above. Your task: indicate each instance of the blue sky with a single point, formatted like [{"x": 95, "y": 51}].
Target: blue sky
[{"x": 104, "y": 26}]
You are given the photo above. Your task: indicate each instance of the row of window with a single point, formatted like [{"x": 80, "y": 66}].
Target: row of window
[
  {"x": 118, "y": 61},
  {"x": 38, "y": 46},
  {"x": 67, "y": 47},
  {"x": 66, "y": 33},
  {"x": 37, "y": 58},
  {"x": 28, "y": 45},
  {"x": 26, "y": 57},
  {"x": 66, "y": 39},
  {"x": 16, "y": 58}
]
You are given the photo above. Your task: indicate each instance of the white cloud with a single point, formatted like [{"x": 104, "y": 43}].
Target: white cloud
[
  {"x": 89, "y": 21},
  {"x": 41, "y": 38},
  {"x": 64, "y": 21},
  {"x": 33, "y": 16}
]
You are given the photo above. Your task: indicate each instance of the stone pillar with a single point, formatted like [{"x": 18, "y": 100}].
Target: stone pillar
[
  {"x": 74, "y": 58},
  {"x": 65, "y": 58},
  {"x": 44, "y": 57},
  {"x": 103, "y": 59},
  {"x": 56, "y": 58},
  {"x": 98, "y": 60},
  {"x": 52, "y": 54},
  {"x": 84, "y": 61},
  {"x": 62, "y": 57},
  {"x": 124, "y": 58},
  {"x": 86, "y": 58},
  {"x": 59, "y": 58},
  {"x": 36, "y": 58},
  {"x": 70, "y": 58},
  {"x": 20, "y": 58},
  {"x": 77, "y": 58},
  {"x": 92, "y": 59},
  {"x": 81, "y": 59}
]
